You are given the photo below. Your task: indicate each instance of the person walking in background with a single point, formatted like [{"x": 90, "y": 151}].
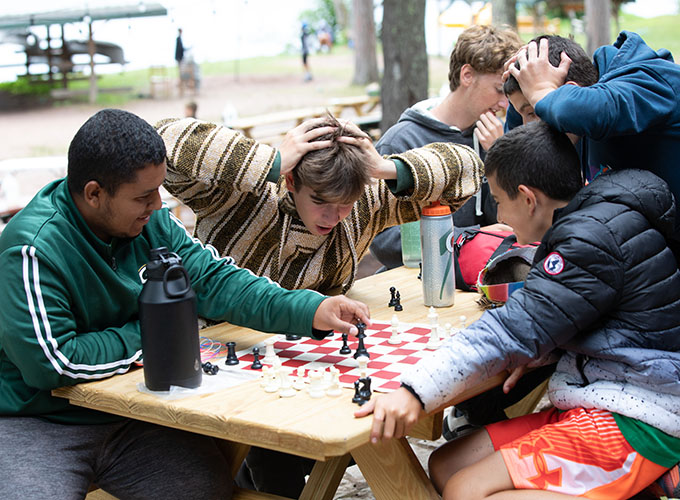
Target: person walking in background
[
  {"x": 304, "y": 33},
  {"x": 190, "y": 109},
  {"x": 179, "y": 47}
]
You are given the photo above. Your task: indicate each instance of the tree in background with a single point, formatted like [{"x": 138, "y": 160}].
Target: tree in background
[
  {"x": 365, "y": 59},
  {"x": 504, "y": 12},
  {"x": 405, "y": 74},
  {"x": 598, "y": 26}
]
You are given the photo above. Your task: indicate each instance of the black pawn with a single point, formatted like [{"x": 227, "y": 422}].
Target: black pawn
[
  {"x": 231, "y": 354},
  {"x": 290, "y": 336},
  {"x": 397, "y": 305},
  {"x": 357, "y": 394},
  {"x": 365, "y": 391},
  {"x": 257, "y": 364},
  {"x": 345, "y": 348},
  {"x": 361, "y": 348},
  {"x": 393, "y": 299}
]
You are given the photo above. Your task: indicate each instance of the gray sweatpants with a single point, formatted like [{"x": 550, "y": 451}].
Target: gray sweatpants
[{"x": 128, "y": 459}]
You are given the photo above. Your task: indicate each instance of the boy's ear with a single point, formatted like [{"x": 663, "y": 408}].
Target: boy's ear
[
  {"x": 467, "y": 75},
  {"x": 571, "y": 82},
  {"x": 92, "y": 194},
  {"x": 529, "y": 197},
  {"x": 290, "y": 184}
]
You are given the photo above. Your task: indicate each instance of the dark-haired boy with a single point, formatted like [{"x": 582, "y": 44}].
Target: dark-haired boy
[
  {"x": 71, "y": 263},
  {"x": 603, "y": 296},
  {"x": 628, "y": 115},
  {"x": 305, "y": 215}
]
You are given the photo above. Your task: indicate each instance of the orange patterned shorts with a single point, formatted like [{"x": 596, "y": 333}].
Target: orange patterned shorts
[{"x": 579, "y": 452}]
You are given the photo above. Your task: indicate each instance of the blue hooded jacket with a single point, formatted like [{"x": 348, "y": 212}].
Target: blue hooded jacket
[{"x": 631, "y": 116}]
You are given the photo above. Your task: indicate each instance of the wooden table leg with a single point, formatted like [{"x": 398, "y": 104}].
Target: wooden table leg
[
  {"x": 235, "y": 453},
  {"x": 392, "y": 470},
  {"x": 325, "y": 478}
]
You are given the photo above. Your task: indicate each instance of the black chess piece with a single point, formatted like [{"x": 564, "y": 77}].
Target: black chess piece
[
  {"x": 345, "y": 348},
  {"x": 361, "y": 348},
  {"x": 257, "y": 364},
  {"x": 231, "y": 354},
  {"x": 393, "y": 299},
  {"x": 420, "y": 273},
  {"x": 358, "y": 399},
  {"x": 209, "y": 368},
  {"x": 397, "y": 304},
  {"x": 290, "y": 336},
  {"x": 365, "y": 391}
]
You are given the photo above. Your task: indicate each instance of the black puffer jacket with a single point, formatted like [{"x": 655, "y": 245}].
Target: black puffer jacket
[{"x": 603, "y": 294}]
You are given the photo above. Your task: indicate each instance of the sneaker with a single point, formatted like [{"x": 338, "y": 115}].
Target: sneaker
[
  {"x": 670, "y": 482},
  {"x": 456, "y": 425}
]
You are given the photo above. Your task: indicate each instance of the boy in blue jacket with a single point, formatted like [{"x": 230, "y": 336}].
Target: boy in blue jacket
[
  {"x": 603, "y": 299},
  {"x": 629, "y": 117},
  {"x": 71, "y": 265}
]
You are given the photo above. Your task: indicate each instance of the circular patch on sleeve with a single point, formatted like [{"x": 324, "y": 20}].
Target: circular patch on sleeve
[{"x": 553, "y": 264}]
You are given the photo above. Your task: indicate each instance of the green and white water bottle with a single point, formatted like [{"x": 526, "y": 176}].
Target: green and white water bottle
[
  {"x": 436, "y": 235},
  {"x": 410, "y": 243}
]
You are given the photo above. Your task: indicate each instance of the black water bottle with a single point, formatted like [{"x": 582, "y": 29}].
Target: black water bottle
[{"x": 169, "y": 324}]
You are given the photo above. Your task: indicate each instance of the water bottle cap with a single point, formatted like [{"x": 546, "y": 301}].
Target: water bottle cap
[{"x": 435, "y": 208}]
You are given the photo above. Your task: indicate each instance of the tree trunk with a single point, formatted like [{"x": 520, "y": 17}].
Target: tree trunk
[
  {"x": 598, "y": 31},
  {"x": 504, "y": 12},
  {"x": 365, "y": 60},
  {"x": 405, "y": 77}
]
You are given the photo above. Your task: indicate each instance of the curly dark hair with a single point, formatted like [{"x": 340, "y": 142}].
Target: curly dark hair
[{"x": 110, "y": 148}]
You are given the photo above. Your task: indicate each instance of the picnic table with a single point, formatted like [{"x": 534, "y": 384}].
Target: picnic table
[{"x": 321, "y": 429}]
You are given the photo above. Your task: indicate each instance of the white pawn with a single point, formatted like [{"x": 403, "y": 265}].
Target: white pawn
[
  {"x": 394, "y": 338},
  {"x": 434, "y": 342},
  {"x": 447, "y": 330},
  {"x": 463, "y": 319},
  {"x": 269, "y": 353},
  {"x": 433, "y": 317},
  {"x": 327, "y": 377},
  {"x": 266, "y": 376},
  {"x": 316, "y": 384},
  {"x": 299, "y": 383},
  {"x": 363, "y": 366},
  {"x": 334, "y": 389},
  {"x": 286, "y": 390},
  {"x": 271, "y": 383}
]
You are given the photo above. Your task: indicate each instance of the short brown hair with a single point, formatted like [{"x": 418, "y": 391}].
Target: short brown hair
[
  {"x": 485, "y": 48},
  {"x": 336, "y": 174}
]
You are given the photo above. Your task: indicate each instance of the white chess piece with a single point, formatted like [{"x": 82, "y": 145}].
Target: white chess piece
[
  {"x": 299, "y": 383},
  {"x": 272, "y": 382},
  {"x": 447, "y": 330},
  {"x": 316, "y": 384},
  {"x": 269, "y": 353},
  {"x": 394, "y": 338},
  {"x": 286, "y": 389},
  {"x": 434, "y": 342},
  {"x": 463, "y": 320},
  {"x": 334, "y": 389},
  {"x": 266, "y": 376},
  {"x": 363, "y": 366},
  {"x": 433, "y": 317}
]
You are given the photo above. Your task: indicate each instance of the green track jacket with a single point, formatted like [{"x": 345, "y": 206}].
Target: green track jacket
[{"x": 69, "y": 309}]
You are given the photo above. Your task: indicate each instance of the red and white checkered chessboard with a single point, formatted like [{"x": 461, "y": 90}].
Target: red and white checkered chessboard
[{"x": 385, "y": 366}]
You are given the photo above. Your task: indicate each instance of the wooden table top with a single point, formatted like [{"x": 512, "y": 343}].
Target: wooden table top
[{"x": 314, "y": 428}]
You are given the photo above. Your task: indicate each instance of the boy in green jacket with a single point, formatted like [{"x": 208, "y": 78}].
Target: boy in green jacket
[{"x": 71, "y": 265}]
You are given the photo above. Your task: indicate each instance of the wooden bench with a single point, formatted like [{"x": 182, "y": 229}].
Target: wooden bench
[
  {"x": 247, "y": 124},
  {"x": 362, "y": 104}
]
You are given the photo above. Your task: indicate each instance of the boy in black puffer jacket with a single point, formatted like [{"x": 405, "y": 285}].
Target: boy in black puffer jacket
[{"x": 603, "y": 298}]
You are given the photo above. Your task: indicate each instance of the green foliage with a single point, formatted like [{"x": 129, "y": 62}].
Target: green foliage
[
  {"x": 28, "y": 86},
  {"x": 325, "y": 11}
]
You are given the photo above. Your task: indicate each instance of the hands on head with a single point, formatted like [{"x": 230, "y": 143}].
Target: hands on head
[
  {"x": 535, "y": 75},
  {"x": 394, "y": 414},
  {"x": 301, "y": 140}
]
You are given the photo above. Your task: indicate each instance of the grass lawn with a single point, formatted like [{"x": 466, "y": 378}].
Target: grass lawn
[{"x": 658, "y": 32}]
